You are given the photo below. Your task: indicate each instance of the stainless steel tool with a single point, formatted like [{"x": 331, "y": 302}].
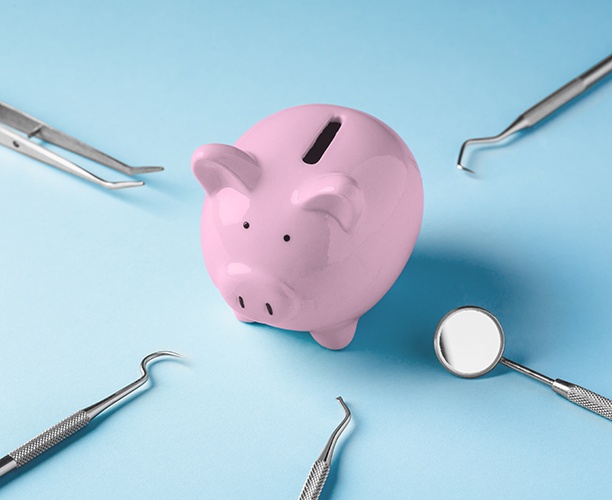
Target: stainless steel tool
[
  {"x": 469, "y": 342},
  {"x": 546, "y": 106},
  {"x": 33, "y": 127},
  {"x": 74, "y": 422},
  {"x": 320, "y": 469}
]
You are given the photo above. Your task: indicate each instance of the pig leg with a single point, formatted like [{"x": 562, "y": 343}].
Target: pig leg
[
  {"x": 242, "y": 318},
  {"x": 337, "y": 336}
]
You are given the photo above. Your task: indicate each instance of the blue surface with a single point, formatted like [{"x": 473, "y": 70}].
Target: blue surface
[{"x": 91, "y": 280}]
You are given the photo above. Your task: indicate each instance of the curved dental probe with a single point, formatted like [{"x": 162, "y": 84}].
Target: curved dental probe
[
  {"x": 546, "y": 106},
  {"x": 320, "y": 469},
  {"x": 74, "y": 422}
]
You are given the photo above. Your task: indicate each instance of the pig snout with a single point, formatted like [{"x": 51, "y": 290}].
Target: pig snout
[{"x": 257, "y": 296}]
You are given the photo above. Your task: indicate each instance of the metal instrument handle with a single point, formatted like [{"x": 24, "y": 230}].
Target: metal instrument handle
[
  {"x": 50, "y": 437},
  {"x": 76, "y": 421},
  {"x": 315, "y": 481},
  {"x": 553, "y": 102},
  {"x": 566, "y": 93},
  {"x": 583, "y": 397}
]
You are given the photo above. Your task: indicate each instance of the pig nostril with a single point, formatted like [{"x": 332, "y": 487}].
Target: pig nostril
[
  {"x": 269, "y": 308},
  {"x": 241, "y": 300}
]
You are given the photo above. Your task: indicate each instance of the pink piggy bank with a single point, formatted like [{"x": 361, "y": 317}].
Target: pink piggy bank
[{"x": 309, "y": 218}]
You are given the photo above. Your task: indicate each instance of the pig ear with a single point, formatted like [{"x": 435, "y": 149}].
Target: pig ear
[
  {"x": 217, "y": 166},
  {"x": 337, "y": 195}
]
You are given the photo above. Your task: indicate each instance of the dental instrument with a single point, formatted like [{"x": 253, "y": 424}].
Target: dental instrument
[
  {"x": 74, "y": 422},
  {"x": 469, "y": 342},
  {"x": 33, "y": 127},
  {"x": 546, "y": 106},
  {"x": 320, "y": 469}
]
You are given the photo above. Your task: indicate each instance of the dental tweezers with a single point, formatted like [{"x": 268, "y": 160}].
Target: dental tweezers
[{"x": 32, "y": 127}]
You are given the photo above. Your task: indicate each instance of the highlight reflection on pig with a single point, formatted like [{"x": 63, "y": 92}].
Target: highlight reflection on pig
[{"x": 309, "y": 218}]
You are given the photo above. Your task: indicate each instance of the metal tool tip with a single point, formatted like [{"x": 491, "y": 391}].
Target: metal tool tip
[
  {"x": 147, "y": 170},
  {"x": 158, "y": 354},
  {"x": 344, "y": 406},
  {"x": 328, "y": 451},
  {"x": 167, "y": 353},
  {"x": 465, "y": 169},
  {"x": 122, "y": 184},
  {"x": 140, "y": 170}
]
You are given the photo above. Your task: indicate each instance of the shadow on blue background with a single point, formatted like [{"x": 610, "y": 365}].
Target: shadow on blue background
[
  {"x": 399, "y": 330},
  {"x": 435, "y": 281},
  {"x": 400, "y": 327}
]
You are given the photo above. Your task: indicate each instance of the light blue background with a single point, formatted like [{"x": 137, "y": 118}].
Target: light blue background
[{"x": 91, "y": 280}]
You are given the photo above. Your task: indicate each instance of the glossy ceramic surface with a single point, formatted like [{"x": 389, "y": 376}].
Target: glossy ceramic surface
[{"x": 309, "y": 218}]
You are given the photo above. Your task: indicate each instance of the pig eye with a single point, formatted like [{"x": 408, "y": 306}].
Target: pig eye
[
  {"x": 286, "y": 237},
  {"x": 246, "y": 225}
]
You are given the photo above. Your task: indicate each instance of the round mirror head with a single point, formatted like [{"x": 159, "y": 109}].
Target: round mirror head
[{"x": 469, "y": 342}]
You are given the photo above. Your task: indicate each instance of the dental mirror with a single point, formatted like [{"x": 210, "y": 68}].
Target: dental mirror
[{"x": 469, "y": 342}]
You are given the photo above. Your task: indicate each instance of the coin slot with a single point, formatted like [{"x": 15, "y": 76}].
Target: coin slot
[{"x": 323, "y": 142}]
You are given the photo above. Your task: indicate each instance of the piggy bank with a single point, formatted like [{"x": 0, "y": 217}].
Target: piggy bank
[{"x": 309, "y": 218}]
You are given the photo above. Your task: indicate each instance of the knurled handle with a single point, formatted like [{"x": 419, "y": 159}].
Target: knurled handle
[
  {"x": 315, "y": 481},
  {"x": 50, "y": 438},
  {"x": 583, "y": 397}
]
